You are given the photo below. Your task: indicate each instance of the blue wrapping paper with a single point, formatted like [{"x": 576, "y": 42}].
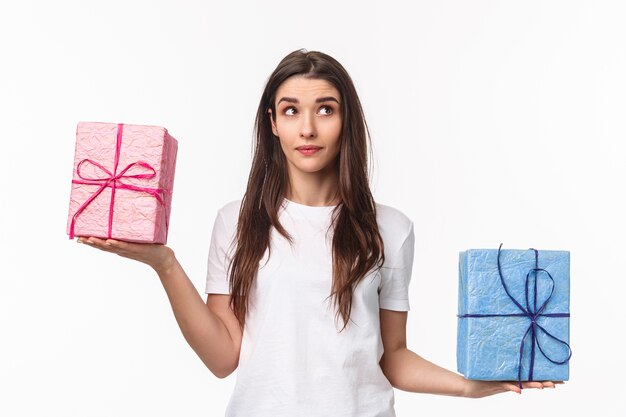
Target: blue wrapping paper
[{"x": 513, "y": 321}]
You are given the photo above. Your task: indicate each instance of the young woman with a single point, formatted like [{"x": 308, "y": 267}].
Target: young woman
[{"x": 308, "y": 276}]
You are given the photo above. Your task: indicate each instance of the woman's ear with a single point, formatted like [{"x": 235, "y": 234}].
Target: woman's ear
[{"x": 274, "y": 129}]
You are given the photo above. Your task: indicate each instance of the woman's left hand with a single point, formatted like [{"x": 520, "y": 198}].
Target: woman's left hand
[{"x": 479, "y": 389}]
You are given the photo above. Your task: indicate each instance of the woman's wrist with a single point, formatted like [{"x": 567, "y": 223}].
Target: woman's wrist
[
  {"x": 465, "y": 388},
  {"x": 166, "y": 264}
]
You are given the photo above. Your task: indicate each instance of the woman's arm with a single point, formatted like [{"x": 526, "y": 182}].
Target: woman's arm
[
  {"x": 408, "y": 371},
  {"x": 203, "y": 329}
]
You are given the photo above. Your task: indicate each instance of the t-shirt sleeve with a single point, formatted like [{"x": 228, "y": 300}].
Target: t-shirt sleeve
[
  {"x": 395, "y": 279},
  {"x": 218, "y": 259}
]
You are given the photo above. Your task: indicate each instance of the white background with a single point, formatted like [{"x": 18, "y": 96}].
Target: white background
[{"x": 491, "y": 121}]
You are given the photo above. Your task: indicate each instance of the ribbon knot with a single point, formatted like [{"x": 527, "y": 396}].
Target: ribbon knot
[
  {"x": 113, "y": 180},
  {"x": 533, "y": 313}
]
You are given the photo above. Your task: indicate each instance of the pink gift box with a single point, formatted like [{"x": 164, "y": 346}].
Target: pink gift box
[{"x": 122, "y": 182}]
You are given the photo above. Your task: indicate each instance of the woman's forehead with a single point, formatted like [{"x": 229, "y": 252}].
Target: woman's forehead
[{"x": 306, "y": 88}]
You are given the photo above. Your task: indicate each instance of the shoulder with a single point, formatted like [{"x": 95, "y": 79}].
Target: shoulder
[
  {"x": 395, "y": 227},
  {"x": 225, "y": 226},
  {"x": 229, "y": 212},
  {"x": 392, "y": 220}
]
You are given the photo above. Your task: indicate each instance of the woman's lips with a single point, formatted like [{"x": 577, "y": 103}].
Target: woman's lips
[{"x": 308, "y": 151}]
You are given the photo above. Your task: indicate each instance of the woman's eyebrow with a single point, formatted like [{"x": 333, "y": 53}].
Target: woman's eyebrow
[{"x": 318, "y": 100}]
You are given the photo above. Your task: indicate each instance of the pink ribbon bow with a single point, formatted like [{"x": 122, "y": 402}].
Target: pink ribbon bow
[{"x": 113, "y": 180}]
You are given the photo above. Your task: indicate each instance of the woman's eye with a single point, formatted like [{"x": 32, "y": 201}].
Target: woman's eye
[{"x": 329, "y": 109}]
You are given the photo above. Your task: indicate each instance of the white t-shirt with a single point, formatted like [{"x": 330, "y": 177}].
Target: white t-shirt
[{"x": 293, "y": 361}]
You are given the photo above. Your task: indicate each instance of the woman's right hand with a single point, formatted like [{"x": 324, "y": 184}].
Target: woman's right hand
[{"x": 158, "y": 256}]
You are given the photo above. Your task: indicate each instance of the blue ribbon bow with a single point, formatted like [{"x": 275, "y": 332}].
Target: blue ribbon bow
[{"x": 533, "y": 314}]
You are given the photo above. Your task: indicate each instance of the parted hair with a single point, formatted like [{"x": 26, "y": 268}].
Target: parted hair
[{"x": 357, "y": 246}]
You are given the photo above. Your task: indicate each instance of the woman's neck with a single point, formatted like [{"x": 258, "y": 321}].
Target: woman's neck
[{"x": 314, "y": 196}]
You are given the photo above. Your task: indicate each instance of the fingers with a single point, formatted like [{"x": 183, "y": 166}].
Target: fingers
[
  {"x": 107, "y": 245},
  {"x": 552, "y": 384},
  {"x": 532, "y": 384},
  {"x": 91, "y": 241},
  {"x": 150, "y": 254},
  {"x": 512, "y": 387},
  {"x": 541, "y": 384}
]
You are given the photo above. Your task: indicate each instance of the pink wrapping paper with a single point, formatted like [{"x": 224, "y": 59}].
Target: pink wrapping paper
[{"x": 139, "y": 188}]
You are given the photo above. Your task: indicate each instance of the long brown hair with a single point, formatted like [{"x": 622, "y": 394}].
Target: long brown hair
[{"x": 357, "y": 244}]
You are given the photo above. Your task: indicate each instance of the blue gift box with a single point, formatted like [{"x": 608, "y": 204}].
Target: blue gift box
[{"x": 513, "y": 321}]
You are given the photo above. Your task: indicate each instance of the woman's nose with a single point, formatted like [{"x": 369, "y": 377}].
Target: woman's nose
[{"x": 307, "y": 129}]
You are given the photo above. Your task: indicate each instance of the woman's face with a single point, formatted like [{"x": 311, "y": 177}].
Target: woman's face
[{"x": 308, "y": 114}]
